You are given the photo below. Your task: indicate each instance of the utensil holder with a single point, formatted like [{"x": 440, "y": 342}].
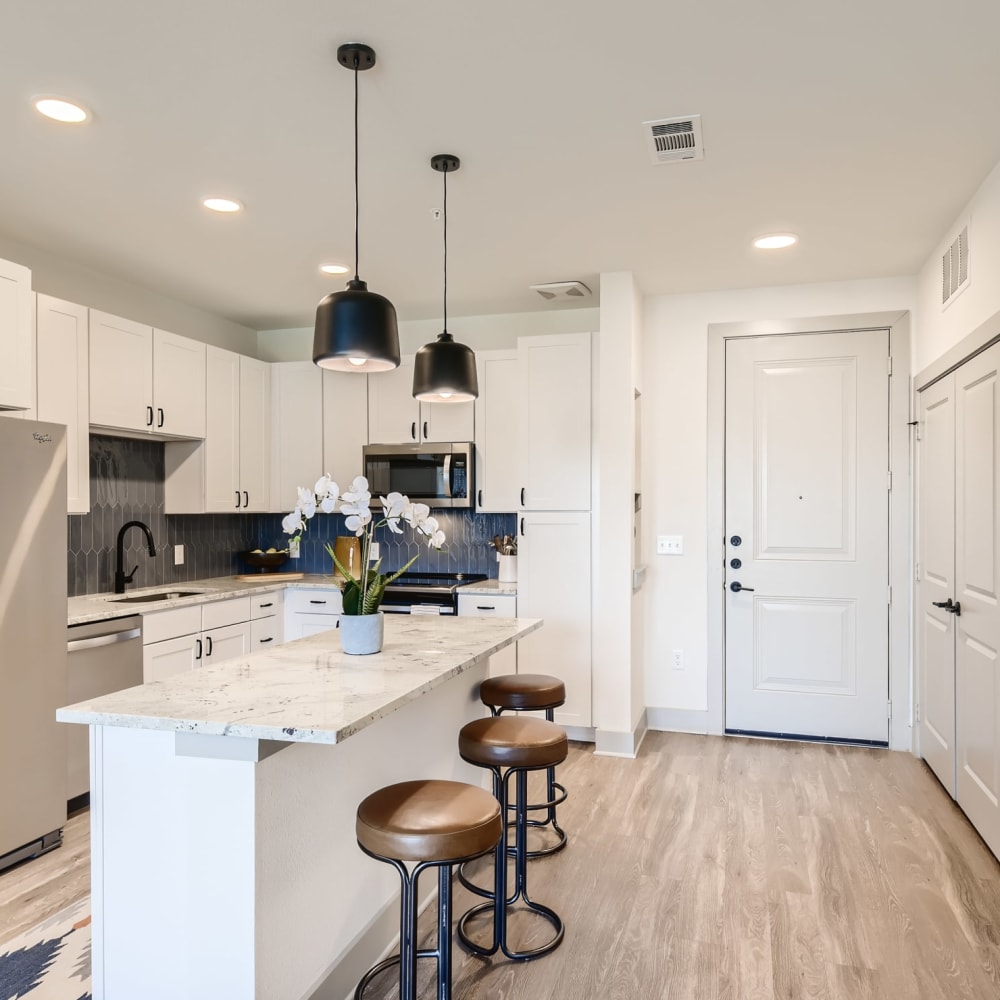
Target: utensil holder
[{"x": 508, "y": 569}]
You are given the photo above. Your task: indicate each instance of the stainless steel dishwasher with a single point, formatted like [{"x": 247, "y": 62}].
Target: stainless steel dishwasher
[{"x": 103, "y": 657}]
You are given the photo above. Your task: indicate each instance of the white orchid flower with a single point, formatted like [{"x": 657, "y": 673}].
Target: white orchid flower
[
  {"x": 436, "y": 539},
  {"x": 325, "y": 486},
  {"x": 305, "y": 496},
  {"x": 415, "y": 514},
  {"x": 359, "y": 505},
  {"x": 394, "y": 527},
  {"x": 429, "y": 525},
  {"x": 329, "y": 503},
  {"x": 359, "y": 487},
  {"x": 358, "y": 522},
  {"x": 292, "y": 523},
  {"x": 393, "y": 504}
]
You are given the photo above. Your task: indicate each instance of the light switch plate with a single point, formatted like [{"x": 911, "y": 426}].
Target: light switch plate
[
  {"x": 178, "y": 555},
  {"x": 669, "y": 545},
  {"x": 293, "y": 548}
]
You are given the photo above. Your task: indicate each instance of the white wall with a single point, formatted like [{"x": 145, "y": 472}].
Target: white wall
[
  {"x": 75, "y": 282},
  {"x": 674, "y": 456},
  {"x": 481, "y": 333},
  {"x": 940, "y": 328}
]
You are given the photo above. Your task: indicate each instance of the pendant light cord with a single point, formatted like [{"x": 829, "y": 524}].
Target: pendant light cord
[
  {"x": 445, "y": 251},
  {"x": 357, "y": 197}
]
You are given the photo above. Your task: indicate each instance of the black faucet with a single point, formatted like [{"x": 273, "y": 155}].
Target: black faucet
[{"x": 120, "y": 578}]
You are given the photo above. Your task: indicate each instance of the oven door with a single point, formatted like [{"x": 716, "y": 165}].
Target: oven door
[{"x": 438, "y": 475}]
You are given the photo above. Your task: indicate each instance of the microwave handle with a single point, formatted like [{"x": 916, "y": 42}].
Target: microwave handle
[{"x": 449, "y": 492}]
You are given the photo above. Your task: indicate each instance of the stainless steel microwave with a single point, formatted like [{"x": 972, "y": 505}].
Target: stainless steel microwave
[{"x": 439, "y": 475}]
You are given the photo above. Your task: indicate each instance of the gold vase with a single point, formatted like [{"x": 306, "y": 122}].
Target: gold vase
[{"x": 348, "y": 550}]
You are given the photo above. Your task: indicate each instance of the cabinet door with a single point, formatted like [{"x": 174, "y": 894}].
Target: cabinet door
[
  {"x": 168, "y": 657},
  {"x": 266, "y": 633},
  {"x": 299, "y": 626},
  {"x": 498, "y": 478},
  {"x": 447, "y": 421},
  {"x": 64, "y": 389},
  {"x": 296, "y": 430},
  {"x": 553, "y": 582},
  {"x": 222, "y": 425},
  {"x": 393, "y": 413},
  {"x": 345, "y": 424},
  {"x": 121, "y": 373},
  {"x": 554, "y": 428},
  {"x": 16, "y": 365},
  {"x": 499, "y": 606},
  {"x": 255, "y": 434},
  {"x": 178, "y": 385},
  {"x": 226, "y": 643}
]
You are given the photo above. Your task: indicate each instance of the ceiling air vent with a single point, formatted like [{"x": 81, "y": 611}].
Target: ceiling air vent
[
  {"x": 955, "y": 267},
  {"x": 562, "y": 290},
  {"x": 672, "y": 139}
]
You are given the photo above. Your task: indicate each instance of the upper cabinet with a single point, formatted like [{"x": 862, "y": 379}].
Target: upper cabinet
[
  {"x": 554, "y": 427},
  {"x": 345, "y": 424},
  {"x": 64, "y": 389},
  {"x": 395, "y": 417},
  {"x": 16, "y": 346},
  {"x": 296, "y": 429},
  {"x": 497, "y": 471},
  {"x": 145, "y": 380}
]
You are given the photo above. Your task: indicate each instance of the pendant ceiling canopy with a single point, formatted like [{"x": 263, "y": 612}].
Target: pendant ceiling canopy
[{"x": 356, "y": 329}]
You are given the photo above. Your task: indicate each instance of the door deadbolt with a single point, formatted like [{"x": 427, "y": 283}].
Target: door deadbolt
[
  {"x": 735, "y": 540},
  {"x": 736, "y": 563}
]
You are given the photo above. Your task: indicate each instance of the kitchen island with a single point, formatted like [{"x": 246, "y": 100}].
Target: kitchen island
[{"x": 224, "y": 861}]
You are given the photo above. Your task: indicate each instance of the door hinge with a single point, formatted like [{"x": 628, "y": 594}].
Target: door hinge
[
  {"x": 916, "y": 711},
  {"x": 918, "y": 573},
  {"x": 889, "y": 709},
  {"x": 888, "y": 480},
  {"x": 890, "y": 594},
  {"x": 889, "y": 363}
]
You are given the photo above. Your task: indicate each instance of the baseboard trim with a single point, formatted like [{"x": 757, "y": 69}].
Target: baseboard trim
[
  {"x": 678, "y": 720},
  {"x": 581, "y": 734},
  {"x": 610, "y": 743}
]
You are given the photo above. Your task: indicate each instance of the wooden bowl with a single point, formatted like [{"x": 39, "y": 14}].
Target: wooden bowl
[{"x": 265, "y": 560}]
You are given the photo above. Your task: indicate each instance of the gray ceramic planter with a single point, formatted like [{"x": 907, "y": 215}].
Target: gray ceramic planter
[{"x": 361, "y": 634}]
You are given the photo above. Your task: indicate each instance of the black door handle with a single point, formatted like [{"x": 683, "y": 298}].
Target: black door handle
[
  {"x": 197, "y": 655},
  {"x": 208, "y": 641},
  {"x": 957, "y": 609},
  {"x": 159, "y": 410},
  {"x": 947, "y": 605},
  {"x": 736, "y": 587},
  {"x": 149, "y": 416}
]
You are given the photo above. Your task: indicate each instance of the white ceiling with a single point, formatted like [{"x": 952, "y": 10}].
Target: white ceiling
[{"x": 862, "y": 125}]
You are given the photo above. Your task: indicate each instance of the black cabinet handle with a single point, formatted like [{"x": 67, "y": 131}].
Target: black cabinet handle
[
  {"x": 237, "y": 499},
  {"x": 486, "y": 607},
  {"x": 480, "y": 498},
  {"x": 425, "y": 430},
  {"x": 246, "y": 499},
  {"x": 413, "y": 430},
  {"x": 208, "y": 640},
  {"x": 197, "y": 655},
  {"x": 522, "y": 525},
  {"x": 267, "y": 640},
  {"x": 317, "y": 602},
  {"x": 149, "y": 416},
  {"x": 159, "y": 410},
  {"x": 268, "y": 605},
  {"x": 522, "y": 496}
]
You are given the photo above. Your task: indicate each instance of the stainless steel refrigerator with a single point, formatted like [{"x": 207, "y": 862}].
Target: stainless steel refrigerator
[{"x": 32, "y": 637}]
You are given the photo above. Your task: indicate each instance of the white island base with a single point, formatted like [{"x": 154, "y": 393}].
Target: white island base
[{"x": 226, "y": 867}]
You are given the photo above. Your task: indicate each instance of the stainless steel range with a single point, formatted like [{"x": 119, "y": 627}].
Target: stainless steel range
[{"x": 426, "y": 593}]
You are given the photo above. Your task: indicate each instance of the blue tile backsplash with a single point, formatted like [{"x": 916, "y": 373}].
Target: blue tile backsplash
[{"x": 126, "y": 483}]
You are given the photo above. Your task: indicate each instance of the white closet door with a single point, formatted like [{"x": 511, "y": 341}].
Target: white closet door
[
  {"x": 936, "y": 556},
  {"x": 977, "y": 578}
]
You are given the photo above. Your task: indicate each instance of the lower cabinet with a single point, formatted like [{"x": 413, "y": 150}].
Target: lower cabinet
[
  {"x": 308, "y": 611},
  {"x": 493, "y": 606}
]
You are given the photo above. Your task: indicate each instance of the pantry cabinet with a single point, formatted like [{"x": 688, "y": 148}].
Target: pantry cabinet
[
  {"x": 395, "y": 417},
  {"x": 144, "y": 380},
  {"x": 16, "y": 344},
  {"x": 64, "y": 388},
  {"x": 498, "y": 477}
]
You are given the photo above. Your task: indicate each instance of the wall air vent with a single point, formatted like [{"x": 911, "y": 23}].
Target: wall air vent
[
  {"x": 955, "y": 267},
  {"x": 672, "y": 139},
  {"x": 562, "y": 290}
]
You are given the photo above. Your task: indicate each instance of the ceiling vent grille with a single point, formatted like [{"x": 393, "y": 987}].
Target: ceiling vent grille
[
  {"x": 955, "y": 267},
  {"x": 562, "y": 290},
  {"x": 673, "y": 139}
]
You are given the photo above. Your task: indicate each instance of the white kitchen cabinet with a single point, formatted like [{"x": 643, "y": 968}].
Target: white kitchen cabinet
[
  {"x": 64, "y": 388},
  {"x": 395, "y": 417},
  {"x": 255, "y": 434},
  {"x": 163, "y": 659},
  {"x": 296, "y": 430},
  {"x": 225, "y": 643},
  {"x": 311, "y": 610},
  {"x": 553, "y": 583},
  {"x": 493, "y": 606},
  {"x": 145, "y": 380},
  {"x": 267, "y": 625},
  {"x": 554, "y": 430},
  {"x": 221, "y": 451},
  {"x": 345, "y": 424},
  {"x": 16, "y": 343},
  {"x": 498, "y": 407}
]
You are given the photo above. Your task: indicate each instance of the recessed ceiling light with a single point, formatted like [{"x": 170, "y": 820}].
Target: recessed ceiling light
[
  {"x": 775, "y": 241},
  {"x": 222, "y": 205},
  {"x": 61, "y": 110},
  {"x": 334, "y": 269}
]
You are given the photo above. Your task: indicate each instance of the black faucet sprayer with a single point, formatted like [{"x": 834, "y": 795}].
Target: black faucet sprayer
[{"x": 120, "y": 578}]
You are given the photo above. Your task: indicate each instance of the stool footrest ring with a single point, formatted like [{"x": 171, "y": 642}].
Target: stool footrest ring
[{"x": 521, "y": 956}]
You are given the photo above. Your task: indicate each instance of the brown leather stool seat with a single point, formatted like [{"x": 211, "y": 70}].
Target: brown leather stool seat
[
  {"x": 429, "y": 824},
  {"x": 532, "y": 692},
  {"x": 510, "y": 746}
]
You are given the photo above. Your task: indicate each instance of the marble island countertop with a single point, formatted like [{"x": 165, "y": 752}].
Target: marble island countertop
[{"x": 308, "y": 690}]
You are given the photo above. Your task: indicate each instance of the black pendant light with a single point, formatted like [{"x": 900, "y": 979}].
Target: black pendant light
[
  {"x": 356, "y": 329},
  {"x": 445, "y": 371}
]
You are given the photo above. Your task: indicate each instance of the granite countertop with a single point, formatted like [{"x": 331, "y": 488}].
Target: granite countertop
[
  {"x": 308, "y": 691},
  {"x": 490, "y": 588},
  {"x": 102, "y": 607}
]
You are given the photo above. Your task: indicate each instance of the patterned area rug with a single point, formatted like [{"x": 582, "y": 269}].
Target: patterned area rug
[{"x": 51, "y": 961}]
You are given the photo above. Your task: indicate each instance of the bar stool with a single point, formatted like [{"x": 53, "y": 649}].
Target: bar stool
[
  {"x": 431, "y": 824},
  {"x": 509, "y": 745},
  {"x": 532, "y": 692}
]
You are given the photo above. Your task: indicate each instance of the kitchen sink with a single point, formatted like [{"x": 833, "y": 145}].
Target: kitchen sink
[{"x": 168, "y": 595}]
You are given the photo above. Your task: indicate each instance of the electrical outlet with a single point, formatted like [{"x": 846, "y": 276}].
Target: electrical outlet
[
  {"x": 373, "y": 552},
  {"x": 677, "y": 659},
  {"x": 178, "y": 555},
  {"x": 293, "y": 548},
  {"x": 669, "y": 545}
]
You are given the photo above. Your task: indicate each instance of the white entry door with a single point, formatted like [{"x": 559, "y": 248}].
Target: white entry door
[{"x": 807, "y": 544}]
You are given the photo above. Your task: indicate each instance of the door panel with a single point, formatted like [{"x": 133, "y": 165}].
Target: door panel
[
  {"x": 806, "y": 495},
  {"x": 936, "y": 558}
]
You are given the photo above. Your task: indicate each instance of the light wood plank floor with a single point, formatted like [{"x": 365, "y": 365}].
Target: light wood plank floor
[{"x": 721, "y": 868}]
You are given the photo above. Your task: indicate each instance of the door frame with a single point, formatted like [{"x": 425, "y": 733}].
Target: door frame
[{"x": 901, "y": 727}]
